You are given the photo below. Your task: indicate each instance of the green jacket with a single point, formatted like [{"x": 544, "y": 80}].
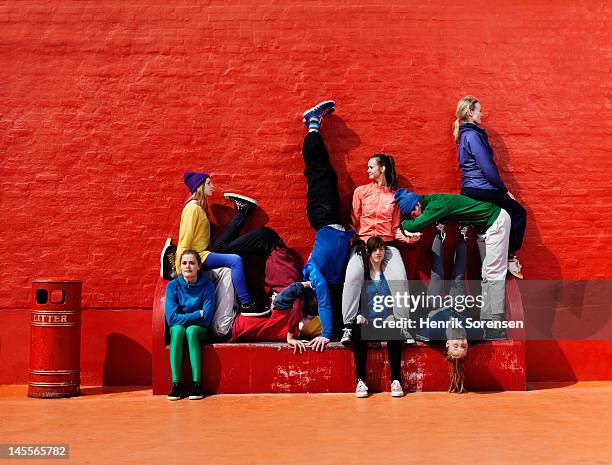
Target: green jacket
[{"x": 437, "y": 207}]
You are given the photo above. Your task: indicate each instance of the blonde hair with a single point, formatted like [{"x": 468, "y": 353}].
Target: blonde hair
[
  {"x": 456, "y": 373},
  {"x": 200, "y": 197},
  {"x": 464, "y": 105}
]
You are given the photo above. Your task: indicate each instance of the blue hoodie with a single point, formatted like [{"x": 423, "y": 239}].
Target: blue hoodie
[
  {"x": 478, "y": 170},
  {"x": 326, "y": 265},
  {"x": 184, "y": 301}
]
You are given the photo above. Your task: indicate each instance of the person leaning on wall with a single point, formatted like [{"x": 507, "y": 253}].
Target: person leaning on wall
[{"x": 480, "y": 177}]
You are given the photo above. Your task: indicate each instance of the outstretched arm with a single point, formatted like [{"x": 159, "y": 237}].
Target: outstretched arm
[
  {"x": 434, "y": 211},
  {"x": 319, "y": 285}
]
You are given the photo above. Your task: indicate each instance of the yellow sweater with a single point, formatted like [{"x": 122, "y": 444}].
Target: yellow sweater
[{"x": 194, "y": 232}]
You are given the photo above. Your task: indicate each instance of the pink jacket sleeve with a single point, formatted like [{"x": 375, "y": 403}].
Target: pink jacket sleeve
[{"x": 356, "y": 211}]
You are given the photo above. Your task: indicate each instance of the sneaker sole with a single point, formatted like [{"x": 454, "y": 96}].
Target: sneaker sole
[
  {"x": 267, "y": 312},
  {"x": 227, "y": 195},
  {"x": 397, "y": 394},
  {"x": 163, "y": 254},
  {"x": 345, "y": 342},
  {"x": 516, "y": 274},
  {"x": 325, "y": 104},
  {"x": 173, "y": 398},
  {"x": 361, "y": 395},
  {"x": 196, "y": 397}
]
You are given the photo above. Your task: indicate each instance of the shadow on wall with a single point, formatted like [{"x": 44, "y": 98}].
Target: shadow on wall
[
  {"x": 340, "y": 140},
  {"x": 548, "y": 268},
  {"x": 126, "y": 362}
]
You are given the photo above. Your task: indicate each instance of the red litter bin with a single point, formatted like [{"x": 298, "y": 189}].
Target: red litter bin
[{"x": 55, "y": 338}]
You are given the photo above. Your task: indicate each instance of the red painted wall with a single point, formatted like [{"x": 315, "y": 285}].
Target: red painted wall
[{"x": 103, "y": 106}]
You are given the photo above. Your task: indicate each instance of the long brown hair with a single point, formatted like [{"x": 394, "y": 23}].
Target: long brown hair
[
  {"x": 389, "y": 163},
  {"x": 456, "y": 372},
  {"x": 464, "y": 105},
  {"x": 365, "y": 249}
]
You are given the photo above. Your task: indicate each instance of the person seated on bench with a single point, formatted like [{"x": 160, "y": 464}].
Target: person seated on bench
[
  {"x": 281, "y": 277},
  {"x": 194, "y": 233},
  {"x": 375, "y": 289},
  {"x": 190, "y": 304},
  {"x": 492, "y": 223},
  {"x": 450, "y": 325},
  {"x": 325, "y": 267},
  {"x": 480, "y": 177},
  {"x": 286, "y": 322}
]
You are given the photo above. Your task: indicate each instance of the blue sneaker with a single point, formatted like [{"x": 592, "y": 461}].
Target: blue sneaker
[{"x": 319, "y": 111}]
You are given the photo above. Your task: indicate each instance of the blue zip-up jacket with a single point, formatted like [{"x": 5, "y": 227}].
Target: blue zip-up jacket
[
  {"x": 373, "y": 289},
  {"x": 478, "y": 169},
  {"x": 327, "y": 264},
  {"x": 184, "y": 301},
  {"x": 285, "y": 298}
]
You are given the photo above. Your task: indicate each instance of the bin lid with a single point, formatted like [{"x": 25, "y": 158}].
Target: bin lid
[{"x": 55, "y": 281}]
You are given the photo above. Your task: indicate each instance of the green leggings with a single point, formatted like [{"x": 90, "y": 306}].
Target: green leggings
[{"x": 196, "y": 335}]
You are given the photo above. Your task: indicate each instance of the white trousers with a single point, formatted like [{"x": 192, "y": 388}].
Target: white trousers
[
  {"x": 493, "y": 248},
  {"x": 395, "y": 273},
  {"x": 225, "y": 296}
]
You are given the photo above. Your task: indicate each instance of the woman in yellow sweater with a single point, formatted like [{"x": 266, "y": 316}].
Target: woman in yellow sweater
[{"x": 195, "y": 234}]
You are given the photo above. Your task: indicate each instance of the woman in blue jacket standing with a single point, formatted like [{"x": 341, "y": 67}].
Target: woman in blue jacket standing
[
  {"x": 480, "y": 178},
  {"x": 190, "y": 304}
]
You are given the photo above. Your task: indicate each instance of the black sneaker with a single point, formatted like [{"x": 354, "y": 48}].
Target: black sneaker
[
  {"x": 196, "y": 391},
  {"x": 241, "y": 201},
  {"x": 167, "y": 261},
  {"x": 176, "y": 392},
  {"x": 347, "y": 336},
  {"x": 252, "y": 310}
]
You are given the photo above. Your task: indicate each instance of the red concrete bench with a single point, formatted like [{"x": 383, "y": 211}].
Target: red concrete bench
[{"x": 273, "y": 368}]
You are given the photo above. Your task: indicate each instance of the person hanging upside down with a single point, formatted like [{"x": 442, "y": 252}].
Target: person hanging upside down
[{"x": 454, "y": 337}]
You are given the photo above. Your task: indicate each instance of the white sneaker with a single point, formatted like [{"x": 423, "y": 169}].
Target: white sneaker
[
  {"x": 409, "y": 339},
  {"x": 362, "y": 389},
  {"x": 347, "y": 336},
  {"x": 514, "y": 267},
  {"x": 241, "y": 201},
  {"x": 396, "y": 389}
]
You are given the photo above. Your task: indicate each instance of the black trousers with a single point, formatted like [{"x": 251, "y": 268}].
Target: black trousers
[
  {"x": 360, "y": 353},
  {"x": 258, "y": 241},
  {"x": 323, "y": 200},
  {"x": 518, "y": 215}
]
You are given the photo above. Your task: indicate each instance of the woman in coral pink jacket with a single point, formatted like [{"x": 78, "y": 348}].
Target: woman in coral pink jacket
[{"x": 375, "y": 213}]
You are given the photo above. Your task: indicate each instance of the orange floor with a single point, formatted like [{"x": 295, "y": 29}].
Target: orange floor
[{"x": 552, "y": 424}]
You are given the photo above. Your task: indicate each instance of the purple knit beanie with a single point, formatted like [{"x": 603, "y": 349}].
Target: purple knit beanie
[
  {"x": 406, "y": 200},
  {"x": 193, "y": 180}
]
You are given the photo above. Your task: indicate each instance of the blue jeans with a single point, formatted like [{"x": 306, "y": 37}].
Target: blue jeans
[{"x": 234, "y": 262}]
